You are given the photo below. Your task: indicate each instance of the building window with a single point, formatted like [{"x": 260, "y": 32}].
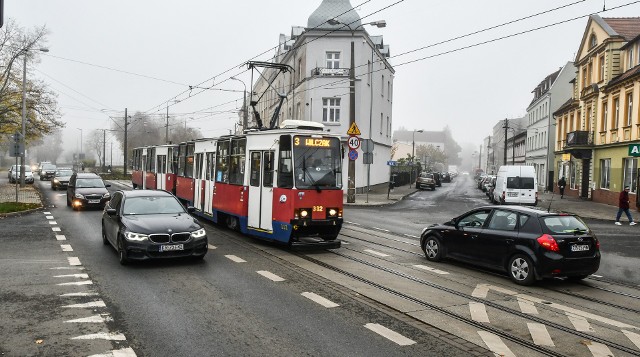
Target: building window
[
  {"x": 388, "y": 90},
  {"x": 300, "y": 71},
  {"x": 601, "y": 73},
  {"x": 381, "y": 120},
  {"x": 589, "y": 73},
  {"x": 388, "y": 127},
  {"x": 333, "y": 59},
  {"x": 331, "y": 110},
  {"x": 382, "y": 87},
  {"x": 629, "y": 109},
  {"x": 584, "y": 77},
  {"x": 630, "y": 58},
  {"x": 593, "y": 41},
  {"x": 630, "y": 169},
  {"x": 369, "y": 71},
  {"x": 605, "y": 116},
  {"x": 616, "y": 113},
  {"x": 605, "y": 173}
]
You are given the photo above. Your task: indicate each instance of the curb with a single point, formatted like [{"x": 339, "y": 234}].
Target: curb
[{"x": 18, "y": 213}]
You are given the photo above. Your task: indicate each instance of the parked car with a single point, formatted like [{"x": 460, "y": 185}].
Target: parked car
[
  {"x": 526, "y": 243},
  {"x": 147, "y": 224},
  {"x": 61, "y": 178},
  {"x": 446, "y": 177},
  {"x": 87, "y": 189},
  {"x": 47, "y": 171},
  {"x": 14, "y": 174},
  {"x": 426, "y": 180}
]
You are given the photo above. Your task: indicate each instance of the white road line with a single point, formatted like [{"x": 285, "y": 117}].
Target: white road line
[
  {"x": 97, "y": 303},
  {"x": 597, "y": 276},
  {"x": 46, "y": 212},
  {"x": 495, "y": 344},
  {"x": 478, "y": 312},
  {"x": 381, "y": 229},
  {"x": 539, "y": 334},
  {"x": 79, "y": 276},
  {"x": 634, "y": 337},
  {"x": 579, "y": 323},
  {"x": 480, "y": 291},
  {"x": 67, "y": 268},
  {"x": 390, "y": 334},
  {"x": 319, "y": 299},
  {"x": 90, "y": 293},
  {"x": 92, "y": 319},
  {"x": 433, "y": 270},
  {"x": 48, "y": 217},
  {"x": 354, "y": 223},
  {"x": 212, "y": 247},
  {"x": 598, "y": 349},
  {"x": 411, "y": 236},
  {"x": 123, "y": 352},
  {"x": 66, "y": 247},
  {"x": 102, "y": 336},
  {"x": 60, "y": 237},
  {"x": 74, "y": 261},
  {"x": 55, "y": 229},
  {"x": 376, "y": 253},
  {"x": 78, "y": 283},
  {"x": 235, "y": 259},
  {"x": 269, "y": 275},
  {"x": 527, "y": 306},
  {"x": 53, "y": 222}
]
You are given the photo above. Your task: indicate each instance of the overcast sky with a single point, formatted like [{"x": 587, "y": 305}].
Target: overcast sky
[{"x": 165, "y": 46}]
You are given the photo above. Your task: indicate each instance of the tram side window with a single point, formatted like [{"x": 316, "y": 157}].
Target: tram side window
[
  {"x": 222, "y": 162},
  {"x": 134, "y": 165},
  {"x": 285, "y": 164},
  {"x": 174, "y": 157},
  {"x": 254, "y": 179},
  {"x": 236, "y": 165},
  {"x": 162, "y": 164},
  {"x": 188, "y": 167},
  {"x": 182, "y": 156},
  {"x": 209, "y": 174},
  {"x": 267, "y": 181},
  {"x": 199, "y": 163},
  {"x": 150, "y": 160}
]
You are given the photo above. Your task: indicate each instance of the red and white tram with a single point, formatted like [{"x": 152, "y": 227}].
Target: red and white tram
[{"x": 283, "y": 185}]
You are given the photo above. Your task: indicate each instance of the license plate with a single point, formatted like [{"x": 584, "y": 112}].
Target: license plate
[
  {"x": 579, "y": 247},
  {"x": 512, "y": 194},
  {"x": 94, "y": 201},
  {"x": 172, "y": 247}
]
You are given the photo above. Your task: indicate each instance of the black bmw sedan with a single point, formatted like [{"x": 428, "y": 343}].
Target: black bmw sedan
[
  {"x": 527, "y": 243},
  {"x": 145, "y": 224}
]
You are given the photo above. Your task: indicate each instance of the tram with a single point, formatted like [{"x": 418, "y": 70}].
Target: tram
[{"x": 283, "y": 185}]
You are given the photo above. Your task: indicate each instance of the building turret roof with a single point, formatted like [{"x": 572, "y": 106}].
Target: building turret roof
[{"x": 340, "y": 10}]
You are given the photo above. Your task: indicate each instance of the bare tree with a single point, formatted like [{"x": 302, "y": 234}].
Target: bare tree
[{"x": 95, "y": 143}]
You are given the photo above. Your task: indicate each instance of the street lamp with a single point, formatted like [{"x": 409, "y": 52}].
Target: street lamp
[
  {"x": 245, "y": 113},
  {"x": 24, "y": 110},
  {"x": 351, "y": 172},
  {"x": 413, "y": 153}
]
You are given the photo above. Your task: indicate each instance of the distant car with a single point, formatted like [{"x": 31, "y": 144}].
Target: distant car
[
  {"x": 47, "y": 171},
  {"x": 87, "y": 190},
  {"x": 39, "y": 168},
  {"x": 526, "y": 243},
  {"x": 61, "y": 178},
  {"x": 147, "y": 224},
  {"x": 426, "y": 180},
  {"x": 446, "y": 177},
  {"x": 14, "y": 174},
  {"x": 438, "y": 178}
]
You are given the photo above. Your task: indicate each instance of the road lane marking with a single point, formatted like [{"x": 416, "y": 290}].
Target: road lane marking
[
  {"x": 376, "y": 253},
  {"x": 67, "y": 268},
  {"x": 74, "y": 261},
  {"x": 527, "y": 306},
  {"x": 53, "y": 222},
  {"x": 319, "y": 299},
  {"x": 381, "y": 229},
  {"x": 600, "y": 276},
  {"x": 92, "y": 319},
  {"x": 48, "y": 217},
  {"x": 598, "y": 349},
  {"x": 97, "y": 303},
  {"x": 433, "y": 270},
  {"x": 83, "y": 282},
  {"x": 539, "y": 334},
  {"x": 79, "y": 276},
  {"x": 495, "y": 344},
  {"x": 110, "y": 336},
  {"x": 478, "y": 312},
  {"x": 123, "y": 352},
  {"x": 579, "y": 323},
  {"x": 66, "y": 247},
  {"x": 270, "y": 275},
  {"x": 411, "y": 236},
  {"x": 90, "y": 293},
  {"x": 235, "y": 259},
  {"x": 390, "y": 334},
  {"x": 212, "y": 246},
  {"x": 60, "y": 237},
  {"x": 46, "y": 212},
  {"x": 55, "y": 229},
  {"x": 634, "y": 337}
]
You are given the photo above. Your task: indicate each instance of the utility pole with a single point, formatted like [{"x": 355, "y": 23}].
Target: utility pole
[
  {"x": 104, "y": 148},
  {"x": 166, "y": 128},
  {"x": 506, "y": 127},
  {"x": 125, "y": 140}
]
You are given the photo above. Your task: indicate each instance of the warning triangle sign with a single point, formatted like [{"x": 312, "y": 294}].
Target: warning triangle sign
[{"x": 353, "y": 129}]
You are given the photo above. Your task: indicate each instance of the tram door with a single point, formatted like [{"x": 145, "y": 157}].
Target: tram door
[
  {"x": 199, "y": 182},
  {"x": 161, "y": 169},
  {"x": 209, "y": 176},
  {"x": 261, "y": 190},
  {"x": 144, "y": 168}
]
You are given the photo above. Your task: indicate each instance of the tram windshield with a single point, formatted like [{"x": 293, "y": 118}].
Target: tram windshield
[{"x": 318, "y": 162}]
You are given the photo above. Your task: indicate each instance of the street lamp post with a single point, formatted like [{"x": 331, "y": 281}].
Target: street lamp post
[
  {"x": 413, "y": 154},
  {"x": 351, "y": 170},
  {"x": 80, "y": 153},
  {"x": 24, "y": 111},
  {"x": 245, "y": 113}
]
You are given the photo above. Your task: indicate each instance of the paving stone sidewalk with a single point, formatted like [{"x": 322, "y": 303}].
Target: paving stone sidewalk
[{"x": 27, "y": 194}]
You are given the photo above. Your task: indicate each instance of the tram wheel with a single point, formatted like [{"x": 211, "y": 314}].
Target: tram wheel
[{"x": 232, "y": 223}]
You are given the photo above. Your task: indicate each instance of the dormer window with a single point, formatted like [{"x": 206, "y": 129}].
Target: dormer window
[{"x": 593, "y": 41}]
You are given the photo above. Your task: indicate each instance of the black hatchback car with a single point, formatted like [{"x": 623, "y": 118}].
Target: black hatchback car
[
  {"x": 145, "y": 224},
  {"x": 527, "y": 243}
]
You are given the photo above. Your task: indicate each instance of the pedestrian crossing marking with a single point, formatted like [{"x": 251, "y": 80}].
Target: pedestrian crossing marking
[
  {"x": 478, "y": 312},
  {"x": 539, "y": 334},
  {"x": 495, "y": 344}
]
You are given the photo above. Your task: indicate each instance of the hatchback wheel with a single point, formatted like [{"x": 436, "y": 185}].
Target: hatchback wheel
[
  {"x": 105, "y": 241},
  {"x": 122, "y": 253},
  {"x": 432, "y": 249},
  {"x": 521, "y": 270}
]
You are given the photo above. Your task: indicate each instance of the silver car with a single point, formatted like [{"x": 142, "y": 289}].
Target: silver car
[{"x": 14, "y": 174}]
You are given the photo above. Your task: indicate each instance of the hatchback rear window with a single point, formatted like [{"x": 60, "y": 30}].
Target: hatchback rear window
[
  {"x": 525, "y": 183},
  {"x": 564, "y": 224}
]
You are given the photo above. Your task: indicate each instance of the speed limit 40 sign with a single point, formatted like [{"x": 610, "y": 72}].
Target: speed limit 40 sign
[{"x": 354, "y": 142}]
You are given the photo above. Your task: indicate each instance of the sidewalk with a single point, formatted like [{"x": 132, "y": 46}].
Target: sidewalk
[
  {"x": 380, "y": 196},
  {"x": 26, "y": 194}
]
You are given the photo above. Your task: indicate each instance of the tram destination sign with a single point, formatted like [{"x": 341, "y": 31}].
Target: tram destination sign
[{"x": 311, "y": 142}]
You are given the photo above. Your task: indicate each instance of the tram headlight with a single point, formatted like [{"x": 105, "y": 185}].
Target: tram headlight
[
  {"x": 332, "y": 212},
  {"x": 302, "y": 213}
]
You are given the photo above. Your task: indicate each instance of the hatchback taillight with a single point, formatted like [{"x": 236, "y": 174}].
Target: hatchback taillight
[{"x": 548, "y": 243}]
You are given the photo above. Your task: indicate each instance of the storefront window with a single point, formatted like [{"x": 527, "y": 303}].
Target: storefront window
[
  {"x": 630, "y": 169},
  {"x": 605, "y": 173}
]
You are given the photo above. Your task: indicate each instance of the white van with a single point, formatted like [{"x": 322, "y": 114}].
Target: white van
[{"x": 516, "y": 185}]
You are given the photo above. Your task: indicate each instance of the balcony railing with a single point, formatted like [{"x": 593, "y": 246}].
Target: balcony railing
[
  {"x": 579, "y": 138},
  {"x": 330, "y": 72}
]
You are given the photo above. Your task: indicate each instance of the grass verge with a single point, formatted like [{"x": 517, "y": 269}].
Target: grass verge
[{"x": 9, "y": 207}]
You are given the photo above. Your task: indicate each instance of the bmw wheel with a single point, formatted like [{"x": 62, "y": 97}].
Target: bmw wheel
[
  {"x": 521, "y": 269},
  {"x": 432, "y": 248}
]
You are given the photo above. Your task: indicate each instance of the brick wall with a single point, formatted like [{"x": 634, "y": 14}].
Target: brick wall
[{"x": 611, "y": 198}]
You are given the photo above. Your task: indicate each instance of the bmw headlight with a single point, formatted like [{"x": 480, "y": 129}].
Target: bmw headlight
[
  {"x": 79, "y": 196},
  {"x": 56, "y": 180},
  {"x": 199, "y": 233},
  {"x": 136, "y": 236}
]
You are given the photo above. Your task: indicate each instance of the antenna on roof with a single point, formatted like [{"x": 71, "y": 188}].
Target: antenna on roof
[{"x": 604, "y": 5}]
